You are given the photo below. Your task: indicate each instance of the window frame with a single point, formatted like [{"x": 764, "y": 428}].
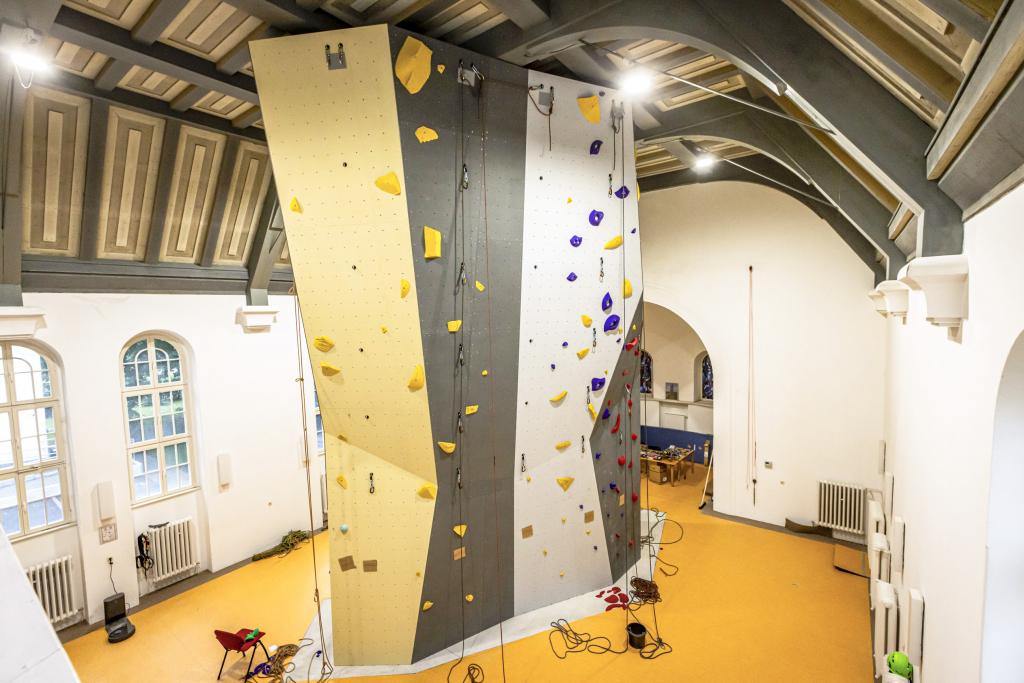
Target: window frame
[
  {"x": 20, "y": 471},
  {"x": 160, "y": 441},
  {"x": 318, "y": 426}
]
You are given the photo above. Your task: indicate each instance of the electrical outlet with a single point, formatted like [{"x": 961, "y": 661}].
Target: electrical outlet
[{"x": 108, "y": 533}]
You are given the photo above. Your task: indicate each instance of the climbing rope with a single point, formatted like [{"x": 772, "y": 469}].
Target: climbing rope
[{"x": 288, "y": 543}]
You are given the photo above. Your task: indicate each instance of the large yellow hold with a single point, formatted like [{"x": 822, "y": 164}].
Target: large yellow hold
[
  {"x": 587, "y": 320},
  {"x": 389, "y": 183},
  {"x": 329, "y": 369},
  {"x": 446, "y": 446},
  {"x": 431, "y": 242},
  {"x": 590, "y": 107},
  {"x": 427, "y": 491},
  {"x": 581, "y": 354},
  {"x": 424, "y": 134},
  {"x": 417, "y": 380},
  {"x": 412, "y": 65},
  {"x": 323, "y": 343},
  {"x": 565, "y": 482},
  {"x": 614, "y": 242},
  {"x": 558, "y": 397},
  {"x": 454, "y": 325}
]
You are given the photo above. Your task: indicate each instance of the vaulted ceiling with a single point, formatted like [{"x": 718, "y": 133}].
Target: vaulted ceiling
[{"x": 146, "y": 147}]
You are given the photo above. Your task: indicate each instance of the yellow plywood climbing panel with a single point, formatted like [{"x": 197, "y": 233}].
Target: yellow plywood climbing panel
[{"x": 347, "y": 221}]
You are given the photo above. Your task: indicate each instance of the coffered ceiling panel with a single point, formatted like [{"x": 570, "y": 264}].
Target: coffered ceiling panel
[
  {"x": 192, "y": 189},
  {"x": 249, "y": 182}
]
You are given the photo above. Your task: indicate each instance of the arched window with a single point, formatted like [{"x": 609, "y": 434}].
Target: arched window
[
  {"x": 33, "y": 474},
  {"x": 157, "y": 421},
  {"x": 646, "y": 373},
  {"x": 707, "y": 379}
]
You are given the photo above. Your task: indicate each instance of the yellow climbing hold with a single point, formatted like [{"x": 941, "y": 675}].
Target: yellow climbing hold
[
  {"x": 424, "y": 134},
  {"x": 565, "y": 482},
  {"x": 528, "y": 478},
  {"x": 471, "y": 410},
  {"x": 431, "y": 242},
  {"x": 389, "y": 183},
  {"x": 460, "y": 530},
  {"x": 427, "y": 604},
  {"x": 484, "y": 373},
  {"x": 294, "y": 205},
  {"x": 569, "y": 200},
  {"x": 545, "y": 551},
  {"x": 469, "y": 598},
  {"x": 405, "y": 287},
  {"x": 592, "y": 411},
  {"x": 587, "y": 320},
  {"x": 440, "y": 68},
  {"x": 627, "y": 289},
  {"x": 479, "y": 286},
  {"x": 582, "y": 353},
  {"x": 562, "y": 445},
  {"x": 613, "y": 242},
  {"x": 383, "y": 329},
  {"x": 322, "y": 343},
  {"x": 427, "y": 491},
  {"x": 329, "y": 369},
  {"x": 446, "y": 446},
  {"x": 562, "y": 574},
  {"x": 417, "y": 380},
  {"x": 454, "y": 325},
  {"x": 412, "y": 65},
  {"x": 590, "y": 107},
  {"x": 342, "y": 481},
  {"x": 563, "y": 520},
  {"x": 558, "y": 397}
]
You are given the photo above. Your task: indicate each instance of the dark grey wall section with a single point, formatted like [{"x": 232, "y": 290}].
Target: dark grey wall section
[
  {"x": 621, "y": 523},
  {"x": 485, "y": 456}
]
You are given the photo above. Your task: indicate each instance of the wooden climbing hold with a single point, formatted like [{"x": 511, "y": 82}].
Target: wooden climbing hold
[
  {"x": 460, "y": 530},
  {"x": 565, "y": 482},
  {"x": 329, "y": 369},
  {"x": 427, "y": 491},
  {"x": 446, "y": 446},
  {"x": 322, "y": 343},
  {"x": 342, "y": 481},
  {"x": 557, "y": 398},
  {"x": 389, "y": 183},
  {"x": 417, "y": 380}
]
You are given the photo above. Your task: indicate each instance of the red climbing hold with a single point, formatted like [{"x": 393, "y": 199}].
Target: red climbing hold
[
  {"x": 633, "y": 436},
  {"x": 615, "y": 429},
  {"x": 629, "y": 387},
  {"x": 622, "y": 460},
  {"x": 630, "y": 465},
  {"x": 617, "y": 536},
  {"x": 631, "y": 543},
  {"x": 630, "y": 402},
  {"x": 631, "y": 343},
  {"x": 635, "y": 497}
]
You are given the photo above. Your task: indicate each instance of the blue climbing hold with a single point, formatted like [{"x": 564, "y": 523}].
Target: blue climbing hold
[
  {"x": 611, "y": 323},
  {"x": 597, "y": 456},
  {"x": 633, "y": 231},
  {"x": 622, "y": 192},
  {"x": 597, "y": 383},
  {"x": 575, "y": 240},
  {"x": 564, "y": 344},
  {"x": 596, "y": 217},
  {"x": 595, "y": 146},
  {"x": 606, "y": 414},
  {"x": 606, "y": 302},
  {"x": 552, "y": 366},
  {"x": 571, "y": 277}
]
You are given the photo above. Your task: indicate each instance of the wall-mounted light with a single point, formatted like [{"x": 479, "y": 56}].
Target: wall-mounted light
[
  {"x": 23, "y": 47},
  {"x": 636, "y": 82},
  {"x": 705, "y": 161}
]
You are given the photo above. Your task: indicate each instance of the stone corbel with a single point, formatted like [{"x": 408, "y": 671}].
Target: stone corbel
[{"x": 943, "y": 279}]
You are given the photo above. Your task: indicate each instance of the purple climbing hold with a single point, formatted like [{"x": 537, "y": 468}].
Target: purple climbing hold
[
  {"x": 596, "y": 217},
  {"x": 606, "y": 414},
  {"x": 597, "y": 456},
  {"x": 597, "y": 383},
  {"x": 611, "y": 323},
  {"x": 633, "y": 231},
  {"x": 613, "y": 486},
  {"x": 581, "y": 506},
  {"x": 622, "y": 192},
  {"x": 595, "y": 146},
  {"x": 575, "y": 240},
  {"x": 606, "y": 302},
  {"x": 564, "y": 344},
  {"x": 571, "y": 277},
  {"x": 552, "y": 366}
]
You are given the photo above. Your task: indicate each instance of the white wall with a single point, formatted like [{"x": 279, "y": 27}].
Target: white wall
[
  {"x": 942, "y": 402},
  {"x": 244, "y": 402},
  {"x": 674, "y": 347},
  {"x": 819, "y": 345}
]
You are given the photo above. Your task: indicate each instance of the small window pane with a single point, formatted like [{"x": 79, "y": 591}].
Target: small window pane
[
  {"x": 172, "y": 413},
  {"x": 9, "y": 517},
  {"x": 54, "y": 504},
  {"x": 31, "y": 374},
  {"x": 3, "y": 385},
  {"x": 146, "y": 473},
  {"x": 176, "y": 462},
  {"x": 131, "y": 371},
  {"x": 168, "y": 363},
  {"x": 34, "y": 500},
  {"x": 37, "y": 429},
  {"x": 319, "y": 432},
  {"x": 141, "y": 421},
  {"x": 6, "y": 447}
]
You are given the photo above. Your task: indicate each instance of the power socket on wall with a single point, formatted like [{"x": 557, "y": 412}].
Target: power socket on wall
[{"x": 108, "y": 533}]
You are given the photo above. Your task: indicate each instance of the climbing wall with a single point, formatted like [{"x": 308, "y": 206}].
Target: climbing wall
[
  {"x": 577, "y": 539},
  {"x": 429, "y": 216}
]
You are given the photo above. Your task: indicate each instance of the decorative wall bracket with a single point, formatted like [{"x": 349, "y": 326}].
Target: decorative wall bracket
[
  {"x": 256, "y": 318},
  {"x": 891, "y": 299},
  {"x": 943, "y": 279},
  {"x": 20, "y": 322}
]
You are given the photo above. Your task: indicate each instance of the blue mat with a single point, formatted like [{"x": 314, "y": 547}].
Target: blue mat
[{"x": 663, "y": 437}]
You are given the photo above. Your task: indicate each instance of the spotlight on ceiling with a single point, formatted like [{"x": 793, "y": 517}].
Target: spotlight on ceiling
[
  {"x": 636, "y": 82},
  {"x": 29, "y": 61},
  {"x": 705, "y": 161},
  {"x": 23, "y": 47}
]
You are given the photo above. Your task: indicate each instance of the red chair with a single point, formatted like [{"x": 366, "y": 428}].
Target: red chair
[{"x": 236, "y": 642}]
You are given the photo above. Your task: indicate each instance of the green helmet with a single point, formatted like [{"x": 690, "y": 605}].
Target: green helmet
[{"x": 900, "y": 664}]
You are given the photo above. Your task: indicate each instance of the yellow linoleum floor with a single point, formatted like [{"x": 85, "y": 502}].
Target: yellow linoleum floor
[{"x": 748, "y": 604}]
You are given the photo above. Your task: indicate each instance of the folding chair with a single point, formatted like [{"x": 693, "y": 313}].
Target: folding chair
[{"x": 236, "y": 642}]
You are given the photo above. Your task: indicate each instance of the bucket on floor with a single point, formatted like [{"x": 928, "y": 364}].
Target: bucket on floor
[{"x": 637, "y": 635}]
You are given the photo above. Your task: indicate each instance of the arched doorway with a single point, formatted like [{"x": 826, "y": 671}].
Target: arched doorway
[{"x": 1004, "y": 588}]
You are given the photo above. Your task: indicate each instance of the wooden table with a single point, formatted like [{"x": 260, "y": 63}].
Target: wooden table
[{"x": 673, "y": 465}]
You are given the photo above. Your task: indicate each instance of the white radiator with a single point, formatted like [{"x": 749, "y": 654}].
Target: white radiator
[
  {"x": 172, "y": 550},
  {"x": 54, "y": 585},
  {"x": 841, "y": 506}
]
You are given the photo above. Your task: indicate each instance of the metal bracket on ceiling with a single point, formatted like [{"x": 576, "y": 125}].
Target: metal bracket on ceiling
[{"x": 335, "y": 60}]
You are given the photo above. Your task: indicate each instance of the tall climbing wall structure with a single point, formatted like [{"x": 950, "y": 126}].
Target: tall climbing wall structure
[{"x": 466, "y": 258}]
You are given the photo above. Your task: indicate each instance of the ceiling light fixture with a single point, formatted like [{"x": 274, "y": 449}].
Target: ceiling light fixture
[
  {"x": 636, "y": 82},
  {"x": 23, "y": 47},
  {"x": 705, "y": 162}
]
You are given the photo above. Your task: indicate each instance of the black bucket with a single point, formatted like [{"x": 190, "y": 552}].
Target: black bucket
[{"x": 637, "y": 635}]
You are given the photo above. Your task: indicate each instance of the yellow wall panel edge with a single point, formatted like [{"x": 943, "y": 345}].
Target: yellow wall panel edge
[{"x": 331, "y": 134}]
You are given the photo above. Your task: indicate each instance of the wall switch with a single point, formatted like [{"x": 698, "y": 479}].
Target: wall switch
[{"x": 108, "y": 532}]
